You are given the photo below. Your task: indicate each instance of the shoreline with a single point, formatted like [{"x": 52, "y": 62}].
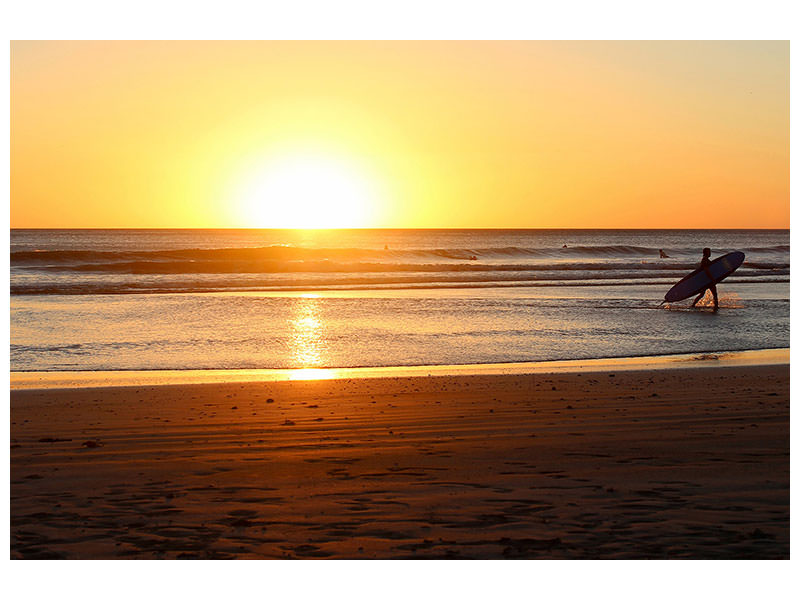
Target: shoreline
[{"x": 22, "y": 380}]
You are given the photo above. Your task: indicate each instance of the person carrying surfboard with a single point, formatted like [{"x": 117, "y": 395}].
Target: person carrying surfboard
[
  {"x": 704, "y": 262},
  {"x": 706, "y": 276}
]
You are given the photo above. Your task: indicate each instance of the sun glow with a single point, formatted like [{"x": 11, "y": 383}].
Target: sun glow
[{"x": 307, "y": 191}]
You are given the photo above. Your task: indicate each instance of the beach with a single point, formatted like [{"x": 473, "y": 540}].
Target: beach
[{"x": 651, "y": 463}]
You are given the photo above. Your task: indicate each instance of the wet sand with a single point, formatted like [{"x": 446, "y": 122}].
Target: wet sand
[{"x": 680, "y": 463}]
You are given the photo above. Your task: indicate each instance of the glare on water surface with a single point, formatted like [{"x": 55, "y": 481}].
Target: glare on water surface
[{"x": 307, "y": 334}]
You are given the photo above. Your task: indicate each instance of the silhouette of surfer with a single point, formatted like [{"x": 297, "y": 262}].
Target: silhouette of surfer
[
  {"x": 663, "y": 254},
  {"x": 704, "y": 262}
]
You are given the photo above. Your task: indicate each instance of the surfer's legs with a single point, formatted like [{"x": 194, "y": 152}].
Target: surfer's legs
[
  {"x": 702, "y": 294},
  {"x": 700, "y": 297}
]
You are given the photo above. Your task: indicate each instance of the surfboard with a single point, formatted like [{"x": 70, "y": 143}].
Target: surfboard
[{"x": 697, "y": 280}]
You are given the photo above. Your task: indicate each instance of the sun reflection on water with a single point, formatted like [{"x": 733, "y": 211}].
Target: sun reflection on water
[
  {"x": 309, "y": 374},
  {"x": 308, "y": 340}
]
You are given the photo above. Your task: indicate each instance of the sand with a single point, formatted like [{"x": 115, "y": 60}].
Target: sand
[{"x": 682, "y": 463}]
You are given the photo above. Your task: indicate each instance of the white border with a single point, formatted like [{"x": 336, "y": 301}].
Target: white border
[{"x": 394, "y": 19}]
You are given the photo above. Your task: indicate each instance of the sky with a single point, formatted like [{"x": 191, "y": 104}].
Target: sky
[{"x": 400, "y": 134}]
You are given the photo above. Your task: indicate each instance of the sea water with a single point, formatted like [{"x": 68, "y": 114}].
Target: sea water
[{"x": 236, "y": 299}]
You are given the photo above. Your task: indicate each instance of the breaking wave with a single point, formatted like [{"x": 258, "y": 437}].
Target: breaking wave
[
  {"x": 290, "y": 254},
  {"x": 125, "y": 271}
]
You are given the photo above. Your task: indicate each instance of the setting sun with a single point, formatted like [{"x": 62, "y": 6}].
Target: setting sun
[{"x": 306, "y": 191}]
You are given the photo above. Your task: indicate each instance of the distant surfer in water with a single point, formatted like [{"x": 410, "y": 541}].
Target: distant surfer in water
[
  {"x": 704, "y": 262},
  {"x": 663, "y": 254}
]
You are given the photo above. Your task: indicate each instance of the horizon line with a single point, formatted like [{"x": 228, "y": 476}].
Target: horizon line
[{"x": 400, "y": 228}]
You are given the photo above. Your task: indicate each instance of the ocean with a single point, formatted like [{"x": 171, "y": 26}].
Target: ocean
[{"x": 107, "y": 300}]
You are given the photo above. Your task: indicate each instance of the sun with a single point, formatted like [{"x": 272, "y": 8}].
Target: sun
[{"x": 307, "y": 191}]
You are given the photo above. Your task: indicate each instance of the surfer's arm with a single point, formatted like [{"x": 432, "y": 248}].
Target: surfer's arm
[{"x": 708, "y": 273}]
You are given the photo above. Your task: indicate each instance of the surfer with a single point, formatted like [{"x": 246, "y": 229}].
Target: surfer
[
  {"x": 663, "y": 254},
  {"x": 704, "y": 262}
]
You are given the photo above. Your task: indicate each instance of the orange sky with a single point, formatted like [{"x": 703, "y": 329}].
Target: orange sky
[{"x": 400, "y": 134}]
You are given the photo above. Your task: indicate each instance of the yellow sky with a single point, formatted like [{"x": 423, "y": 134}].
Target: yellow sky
[{"x": 400, "y": 134}]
